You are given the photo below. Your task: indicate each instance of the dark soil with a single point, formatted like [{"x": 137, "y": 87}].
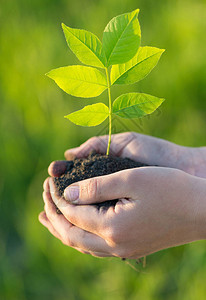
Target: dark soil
[{"x": 92, "y": 166}]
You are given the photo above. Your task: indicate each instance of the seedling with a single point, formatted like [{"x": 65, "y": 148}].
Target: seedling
[{"x": 122, "y": 61}]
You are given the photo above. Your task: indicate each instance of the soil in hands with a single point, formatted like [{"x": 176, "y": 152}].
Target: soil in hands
[{"x": 92, "y": 166}]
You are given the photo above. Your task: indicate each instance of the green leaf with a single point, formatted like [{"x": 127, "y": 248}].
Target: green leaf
[
  {"x": 135, "y": 105},
  {"x": 79, "y": 81},
  {"x": 121, "y": 38},
  {"x": 138, "y": 67},
  {"x": 86, "y": 46},
  {"x": 90, "y": 115}
]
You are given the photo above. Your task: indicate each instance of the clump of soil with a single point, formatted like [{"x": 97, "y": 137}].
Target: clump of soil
[{"x": 92, "y": 166}]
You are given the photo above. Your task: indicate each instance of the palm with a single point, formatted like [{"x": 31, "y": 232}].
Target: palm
[{"x": 145, "y": 149}]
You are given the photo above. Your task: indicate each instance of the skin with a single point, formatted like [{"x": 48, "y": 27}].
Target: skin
[{"x": 158, "y": 207}]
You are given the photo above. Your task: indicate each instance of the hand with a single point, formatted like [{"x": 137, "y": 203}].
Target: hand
[
  {"x": 158, "y": 208},
  {"x": 145, "y": 149}
]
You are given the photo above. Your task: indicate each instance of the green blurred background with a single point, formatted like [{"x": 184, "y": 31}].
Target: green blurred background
[{"x": 33, "y": 264}]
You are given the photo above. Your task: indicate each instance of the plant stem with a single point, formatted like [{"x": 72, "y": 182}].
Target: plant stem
[
  {"x": 110, "y": 110},
  {"x": 144, "y": 262}
]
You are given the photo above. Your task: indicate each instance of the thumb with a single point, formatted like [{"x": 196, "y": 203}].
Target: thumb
[{"x": 99, "y": 189}]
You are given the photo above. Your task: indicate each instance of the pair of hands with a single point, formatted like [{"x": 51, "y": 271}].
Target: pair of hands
[{"x": 158, "y": 207}]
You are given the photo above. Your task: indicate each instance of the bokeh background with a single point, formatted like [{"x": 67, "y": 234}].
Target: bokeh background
[{"x": 33, "y": 132}]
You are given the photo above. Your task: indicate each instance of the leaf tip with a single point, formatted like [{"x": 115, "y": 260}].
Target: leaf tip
[
  {"x": 161, "y": 101},
  {"x": 63, "y": 25},
  {"x": 47, "y": 74},
  {"x": 64, "y": 28},
  {"x": 137, "y": 11},
  {"x": 51, "y": 74}
]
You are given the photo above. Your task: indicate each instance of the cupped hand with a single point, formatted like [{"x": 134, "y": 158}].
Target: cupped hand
[
  {"x": 142, "y": 148},
  {"x": 157, "y": 208}
]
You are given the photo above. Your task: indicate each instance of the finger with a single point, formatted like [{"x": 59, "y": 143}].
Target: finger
[
  {"x": 70, "y": 154},
  {"x": 95, "y": 254},
  {"x": 50, "y": 210},
  {"x": 99, "y": 144},
  {"x": 99, "y": 254},
  {"x": 57, "y": 168},
  {"x": 72, "y": 235},
  {"x": 45, "y": 221},
  {"x": 99, "y": 189},
  {"x": 46, "y": 185},
  {"x": 89, "y": 242},
  {"x": 87, "y": 217}
]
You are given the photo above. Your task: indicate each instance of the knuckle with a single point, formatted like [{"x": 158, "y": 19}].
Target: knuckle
[
  {"x": 75, "y": 238},
  {"x": 131, "y": 134},
  {"x": 51, "y": 216},
  {"x": 92, "y": 142},
  {"x": 64, "y": 241},
  {"x": 49, "y": 213},
  {"x": 67, "y": 241},
  {"x": 92, "y": 139},
  {"x": 123, "y": 253},
  {"x": 82, "y": 236},
  {"x": 129, "y": 175},
  {"x": 120, "y": 253},
  {"x": 69, "y": 155},
  {"x": 70, "y": 217},
  {"x": 113, "y": 236},
  {"x": 46, "y": 184},
  {"x": 89, "y": 190}
]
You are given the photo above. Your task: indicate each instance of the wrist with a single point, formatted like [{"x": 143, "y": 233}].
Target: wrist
[
  {"x": 199, "y": 161},
  {"x": 193, "y": 161},
  {"x": 198, "y": 205}
]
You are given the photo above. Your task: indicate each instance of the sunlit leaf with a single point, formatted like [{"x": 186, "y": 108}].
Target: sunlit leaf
[
  {"x": 121, "y": 38},
  {"x": 86, "y": 46},
  {"x": 90, "y": 115},
  {"x": 79, "y": 81},
  {"x": 135, "y": 105},
  {"x": 138, "y": 67}
]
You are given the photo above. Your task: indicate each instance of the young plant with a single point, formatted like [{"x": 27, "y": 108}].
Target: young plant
[{"x": 122, "y": 60}]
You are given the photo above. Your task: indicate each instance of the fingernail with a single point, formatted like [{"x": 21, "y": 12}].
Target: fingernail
[{"x": 72, "y": 194}]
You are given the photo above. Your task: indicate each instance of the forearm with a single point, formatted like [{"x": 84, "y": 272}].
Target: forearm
[
  {"x": 159, "y": 152},
  {"x": 198, "y": 205}
]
